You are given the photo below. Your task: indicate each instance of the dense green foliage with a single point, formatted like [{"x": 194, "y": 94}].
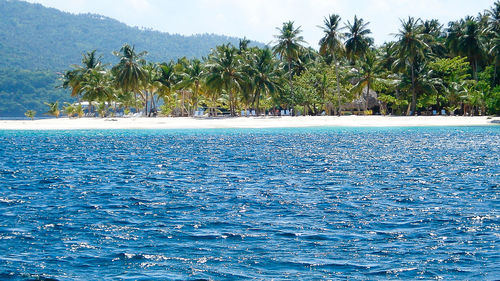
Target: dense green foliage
[
  {"x": 39, "y": 38},
  {"x": 38, "y": 41},
  {"x": 429, "y": 69},
  {"x": 22, "y": 90}
]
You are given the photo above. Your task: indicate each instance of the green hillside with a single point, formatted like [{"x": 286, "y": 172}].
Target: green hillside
[
  {"x": 21, "y": 90},
  {"x": 35, "y": 40}
]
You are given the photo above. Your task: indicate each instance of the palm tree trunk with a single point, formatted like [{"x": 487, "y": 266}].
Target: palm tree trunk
[
  {"x": 495, "y": 73},
  {"x": 290, "y": 77},
  {"x": 183, "y": 105},
  {"x": 474, "y": 69},
  {"x": 135, "y": 101},
  {"x": 146, "y": 103},
  {"x": 231, "y": 106},
  {"x": 214, "y": 105},
  {"x": 257, "y": 99},
  {"x": 338, "y": 84},
  {"x": 153, "y": 103},
  {"x": 367, "y": 95},
  {"x": 413, "y": 92},
  {"x": 89, "y": 110},
  {"x": 195, "y": 96}
]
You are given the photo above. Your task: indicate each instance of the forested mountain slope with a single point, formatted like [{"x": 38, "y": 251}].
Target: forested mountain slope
[{"x": 37, "y": 41}]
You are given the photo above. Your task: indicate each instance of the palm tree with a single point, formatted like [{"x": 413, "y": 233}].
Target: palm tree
[
  {"x": 358, "y": 42},
  {"x": 264, "y": 75},
  {"x": 243, "y": 46},
  {"x": 426, "y": 84},
  {"x": 494, "y": 31},
  {"x": 225, "y": 73},
  {"x": 367, "y": 74},
  {"x": 30, "y": 114},
  {"x": 331, "y": 43},
  {"x": 494, "y": 16},
  {"x": 465, "y": 38},
  {"x": 435, "y": 37},
  {"x": 53, "y": 109},
  {"x": 191, "y": 77},
  {"x": 168, "y": 80},
  {"x": 288, "y": 46},
  {"x": 129, "y": 72},
  {"x": 471, "y": 45},
  {"x": 151, "y": 86},
  {"x": 98, "y": 86},
  {"x": 74, "y": 78},
  {"x": 411, "y": 46}
]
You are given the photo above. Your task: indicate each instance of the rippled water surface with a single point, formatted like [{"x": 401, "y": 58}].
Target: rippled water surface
[{"x": 282, "y": 204}]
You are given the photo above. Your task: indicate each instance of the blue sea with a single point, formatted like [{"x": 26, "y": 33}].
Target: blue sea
[{"x": 251, "y": 204}]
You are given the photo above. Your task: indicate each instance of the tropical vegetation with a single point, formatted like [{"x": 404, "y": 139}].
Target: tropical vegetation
[
  {"x": 429, "y": 69},
  {"x": 30, "y": 114},
  {"x": 38, "y": 43}
]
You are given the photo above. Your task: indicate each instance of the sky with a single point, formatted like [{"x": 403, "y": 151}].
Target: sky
[{"x": 258, "y": 19}]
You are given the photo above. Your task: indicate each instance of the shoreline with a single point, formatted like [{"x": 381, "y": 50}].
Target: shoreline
[{"x": 246, "y": 122}]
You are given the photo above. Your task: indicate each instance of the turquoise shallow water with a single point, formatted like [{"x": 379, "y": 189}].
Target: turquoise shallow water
[{"x": 281, "y": 204}]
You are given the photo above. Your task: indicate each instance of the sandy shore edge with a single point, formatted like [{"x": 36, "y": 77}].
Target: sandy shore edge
[{"x": 246, "y": 122}]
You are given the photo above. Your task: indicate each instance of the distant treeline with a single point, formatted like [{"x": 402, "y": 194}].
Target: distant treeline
[
  {"x": 428, "y": 69},
  {"x": 36, "y": 39},
  {"x": 22, "y": 90}
]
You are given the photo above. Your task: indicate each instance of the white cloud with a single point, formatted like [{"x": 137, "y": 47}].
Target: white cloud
[{"x": 140, "y": 6}]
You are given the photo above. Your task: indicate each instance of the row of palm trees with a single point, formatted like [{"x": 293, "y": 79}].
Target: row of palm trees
[{"x": 427, "y": 68}]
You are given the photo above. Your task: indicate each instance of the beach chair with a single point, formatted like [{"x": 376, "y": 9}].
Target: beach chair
[
  {"x": 282, "y": 112},
  {"x": 253, "y": 113},
  {"x": 287, "y": 112}
]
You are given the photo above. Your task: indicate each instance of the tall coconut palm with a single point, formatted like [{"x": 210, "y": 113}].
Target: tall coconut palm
[
  {"x": 264, "y": 76},
  {"x": 494, "y": 31},
  {"x": 435, "y": 37},
  {"x": 466, "y": 38},
  {"x": 243, "y": 46},
  {"x": 367, "y": 73},
  {"x": 472, "y": 45},
  {"x": 167, "y": 77},
  {"x": 358, "y": 42},
  {"x": 332, "y": 44},
  {"x": 151, "y": 86},
  {"x": 410, "y": 47},
  {"x": 288, "y": 45},
  {"x": 168, "y": 80},
  {"x": 494, "y": 16},
  {"x": 98, "y": 86},
  {"x": 129, "y": 72},
  {"x": 191, "y": 78},
  {"x": 224, "y": 73},
  {"x": 74, "y": 78}
]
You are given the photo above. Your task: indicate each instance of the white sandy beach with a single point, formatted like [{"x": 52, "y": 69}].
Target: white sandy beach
[{"x": 245, "y": 122}]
